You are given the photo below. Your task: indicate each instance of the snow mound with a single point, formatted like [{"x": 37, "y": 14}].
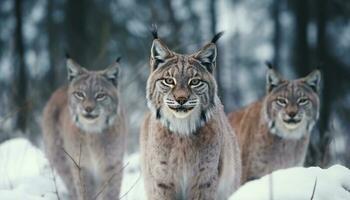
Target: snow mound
[
  {"x": 25, "y": 173},
  {"x": 132, "y": 186},
  {"x": 298, "y": 184}
]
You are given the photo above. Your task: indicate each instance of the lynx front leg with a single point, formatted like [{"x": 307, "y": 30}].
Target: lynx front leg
[
  {"x": 110, "y": 184},
  {"x": 203, "y": 187},
  {"x": 160, "y": 189},
  {"x": 159, "y": 183},
  {"x": 84, "y": 183}
]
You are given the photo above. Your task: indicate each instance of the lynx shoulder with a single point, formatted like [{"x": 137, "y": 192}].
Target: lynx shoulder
[
  {"x": 274, "y": 133},
  {"x": 83, "y": 123},
  {"x": 188, "y": 149}
]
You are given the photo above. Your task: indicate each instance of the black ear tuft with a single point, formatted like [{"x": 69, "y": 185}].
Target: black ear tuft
[
  {"x": 217, "y": 37},
  {"x": 118, "y": 59},
  {"x": 270, "y": 65},
  {"x": 154, "y": 31}
]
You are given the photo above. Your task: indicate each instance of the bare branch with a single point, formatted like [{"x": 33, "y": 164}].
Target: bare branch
[
  {"x": 54, "y": 181},
  {"x": 109, "y": 180},
  {"x": 75, "y": 163},
  {"x": 313, "y": 191},
  {"x": 126, "y": 193}
]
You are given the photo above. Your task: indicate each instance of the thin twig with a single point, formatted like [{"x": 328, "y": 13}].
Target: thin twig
[
  {"x": 75, "y": 163},
  {"x": 313, "y": 191},
  {"x": 109, "y": 180},
  {"x": 55, "y": 183},
  {"x": 137, "y": 180}
]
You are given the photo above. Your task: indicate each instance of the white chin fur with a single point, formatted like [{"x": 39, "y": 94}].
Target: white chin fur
[
  {"x": 181, "y": 115},
  {"x": 289, "y": 130},
  {"x": 84, "y": 120},
  {"x": 183, "y": 123},
  {"x": 91, "y": 125},
  {"x": 291, "y": 126}
]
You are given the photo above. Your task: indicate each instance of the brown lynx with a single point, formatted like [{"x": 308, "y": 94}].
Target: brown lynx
[
  {"x": 188, "y": 149},
  {"x": 85, "y": 120},
  {"x": 274, "y": 133}
]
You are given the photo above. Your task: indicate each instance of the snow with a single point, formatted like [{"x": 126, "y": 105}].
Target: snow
[
  {"x": 298, "y": 183},
  {"x": 132, "y": 186},
  {"x": 26, "y": 174}
]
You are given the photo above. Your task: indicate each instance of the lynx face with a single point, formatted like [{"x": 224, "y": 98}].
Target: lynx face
[
  {"x": 181, "y": 90},
  {"x": 92, "y": 97},
  {"x": 292, "y": 106}
]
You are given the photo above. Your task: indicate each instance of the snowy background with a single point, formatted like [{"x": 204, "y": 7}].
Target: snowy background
[{"x": 296, "y": 35}]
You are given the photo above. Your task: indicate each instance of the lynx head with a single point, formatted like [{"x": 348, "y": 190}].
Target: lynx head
[
  {"x": 292, "y": 106},
  {"x": 92, "y": 96},
  {"x": 181, "y": 89}
]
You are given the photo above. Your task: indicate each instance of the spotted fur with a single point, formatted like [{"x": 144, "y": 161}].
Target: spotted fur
[{"x": 274, "y": 132}]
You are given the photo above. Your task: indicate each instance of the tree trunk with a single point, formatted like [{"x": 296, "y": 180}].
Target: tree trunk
[
  {"x": 277, "y": 32},
  {"x": 213, "y": 30},
  {"x": 52, "y": 48},
  {"x": 301, "y": 48},
  {"x": 77, "y": 30},
  {"x": 20, "y": 85},
  {"x": 328, "y": 83}
]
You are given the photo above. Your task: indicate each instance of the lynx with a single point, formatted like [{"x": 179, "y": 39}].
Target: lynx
[
  {"x": 188, "y": 149},
  {"x": 84, "y": 133},
  {"x": 274, "y": 133}
]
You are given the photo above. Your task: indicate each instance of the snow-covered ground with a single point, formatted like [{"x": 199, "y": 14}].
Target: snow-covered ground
[
  {"x": 26, "y": 174},
  {"x": 298, "y": 184}
]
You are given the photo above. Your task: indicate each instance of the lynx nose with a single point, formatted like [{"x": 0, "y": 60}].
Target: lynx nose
[
  {"x": 292, "y": 114},
  {"x": 181, "y": 100},
  {"x": 89, "y": 109}
]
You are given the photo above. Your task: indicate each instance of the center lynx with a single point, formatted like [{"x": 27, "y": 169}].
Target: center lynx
[{"x": 188, "y": 149}]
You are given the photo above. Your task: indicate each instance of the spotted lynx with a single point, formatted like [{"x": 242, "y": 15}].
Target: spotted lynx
[
  {"x": 188, "y": 149},
  {"x": 274, "y": 133},
  {"x": 85, "y": 120}
]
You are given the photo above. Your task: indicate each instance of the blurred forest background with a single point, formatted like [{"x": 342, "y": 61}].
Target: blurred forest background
[{"x": 296, "y": 35}]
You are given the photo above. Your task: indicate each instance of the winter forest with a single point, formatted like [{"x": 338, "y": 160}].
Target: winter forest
[{"x": 296, "y": 36}]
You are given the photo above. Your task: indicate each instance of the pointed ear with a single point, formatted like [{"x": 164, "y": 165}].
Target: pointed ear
[
  {"x": 111, "y": 72},
  {"x": 314, "y": 80},
  {"x": 273, "y": 79},
  {"x": 207, "y": 56},
  {"x": 159, "y": 53},
  {"x": 74, "y": 69}
]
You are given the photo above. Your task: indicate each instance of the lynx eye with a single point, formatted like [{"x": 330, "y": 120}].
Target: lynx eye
[
  {"x": 79, "y": 95},
  {"x": 194, "y": 82},
  {"x": 303, "y": 101},
  {"x": 282, "y": 101},
  {"x": 100, "y": 96},
  {"x": 169, "y": 81}
]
